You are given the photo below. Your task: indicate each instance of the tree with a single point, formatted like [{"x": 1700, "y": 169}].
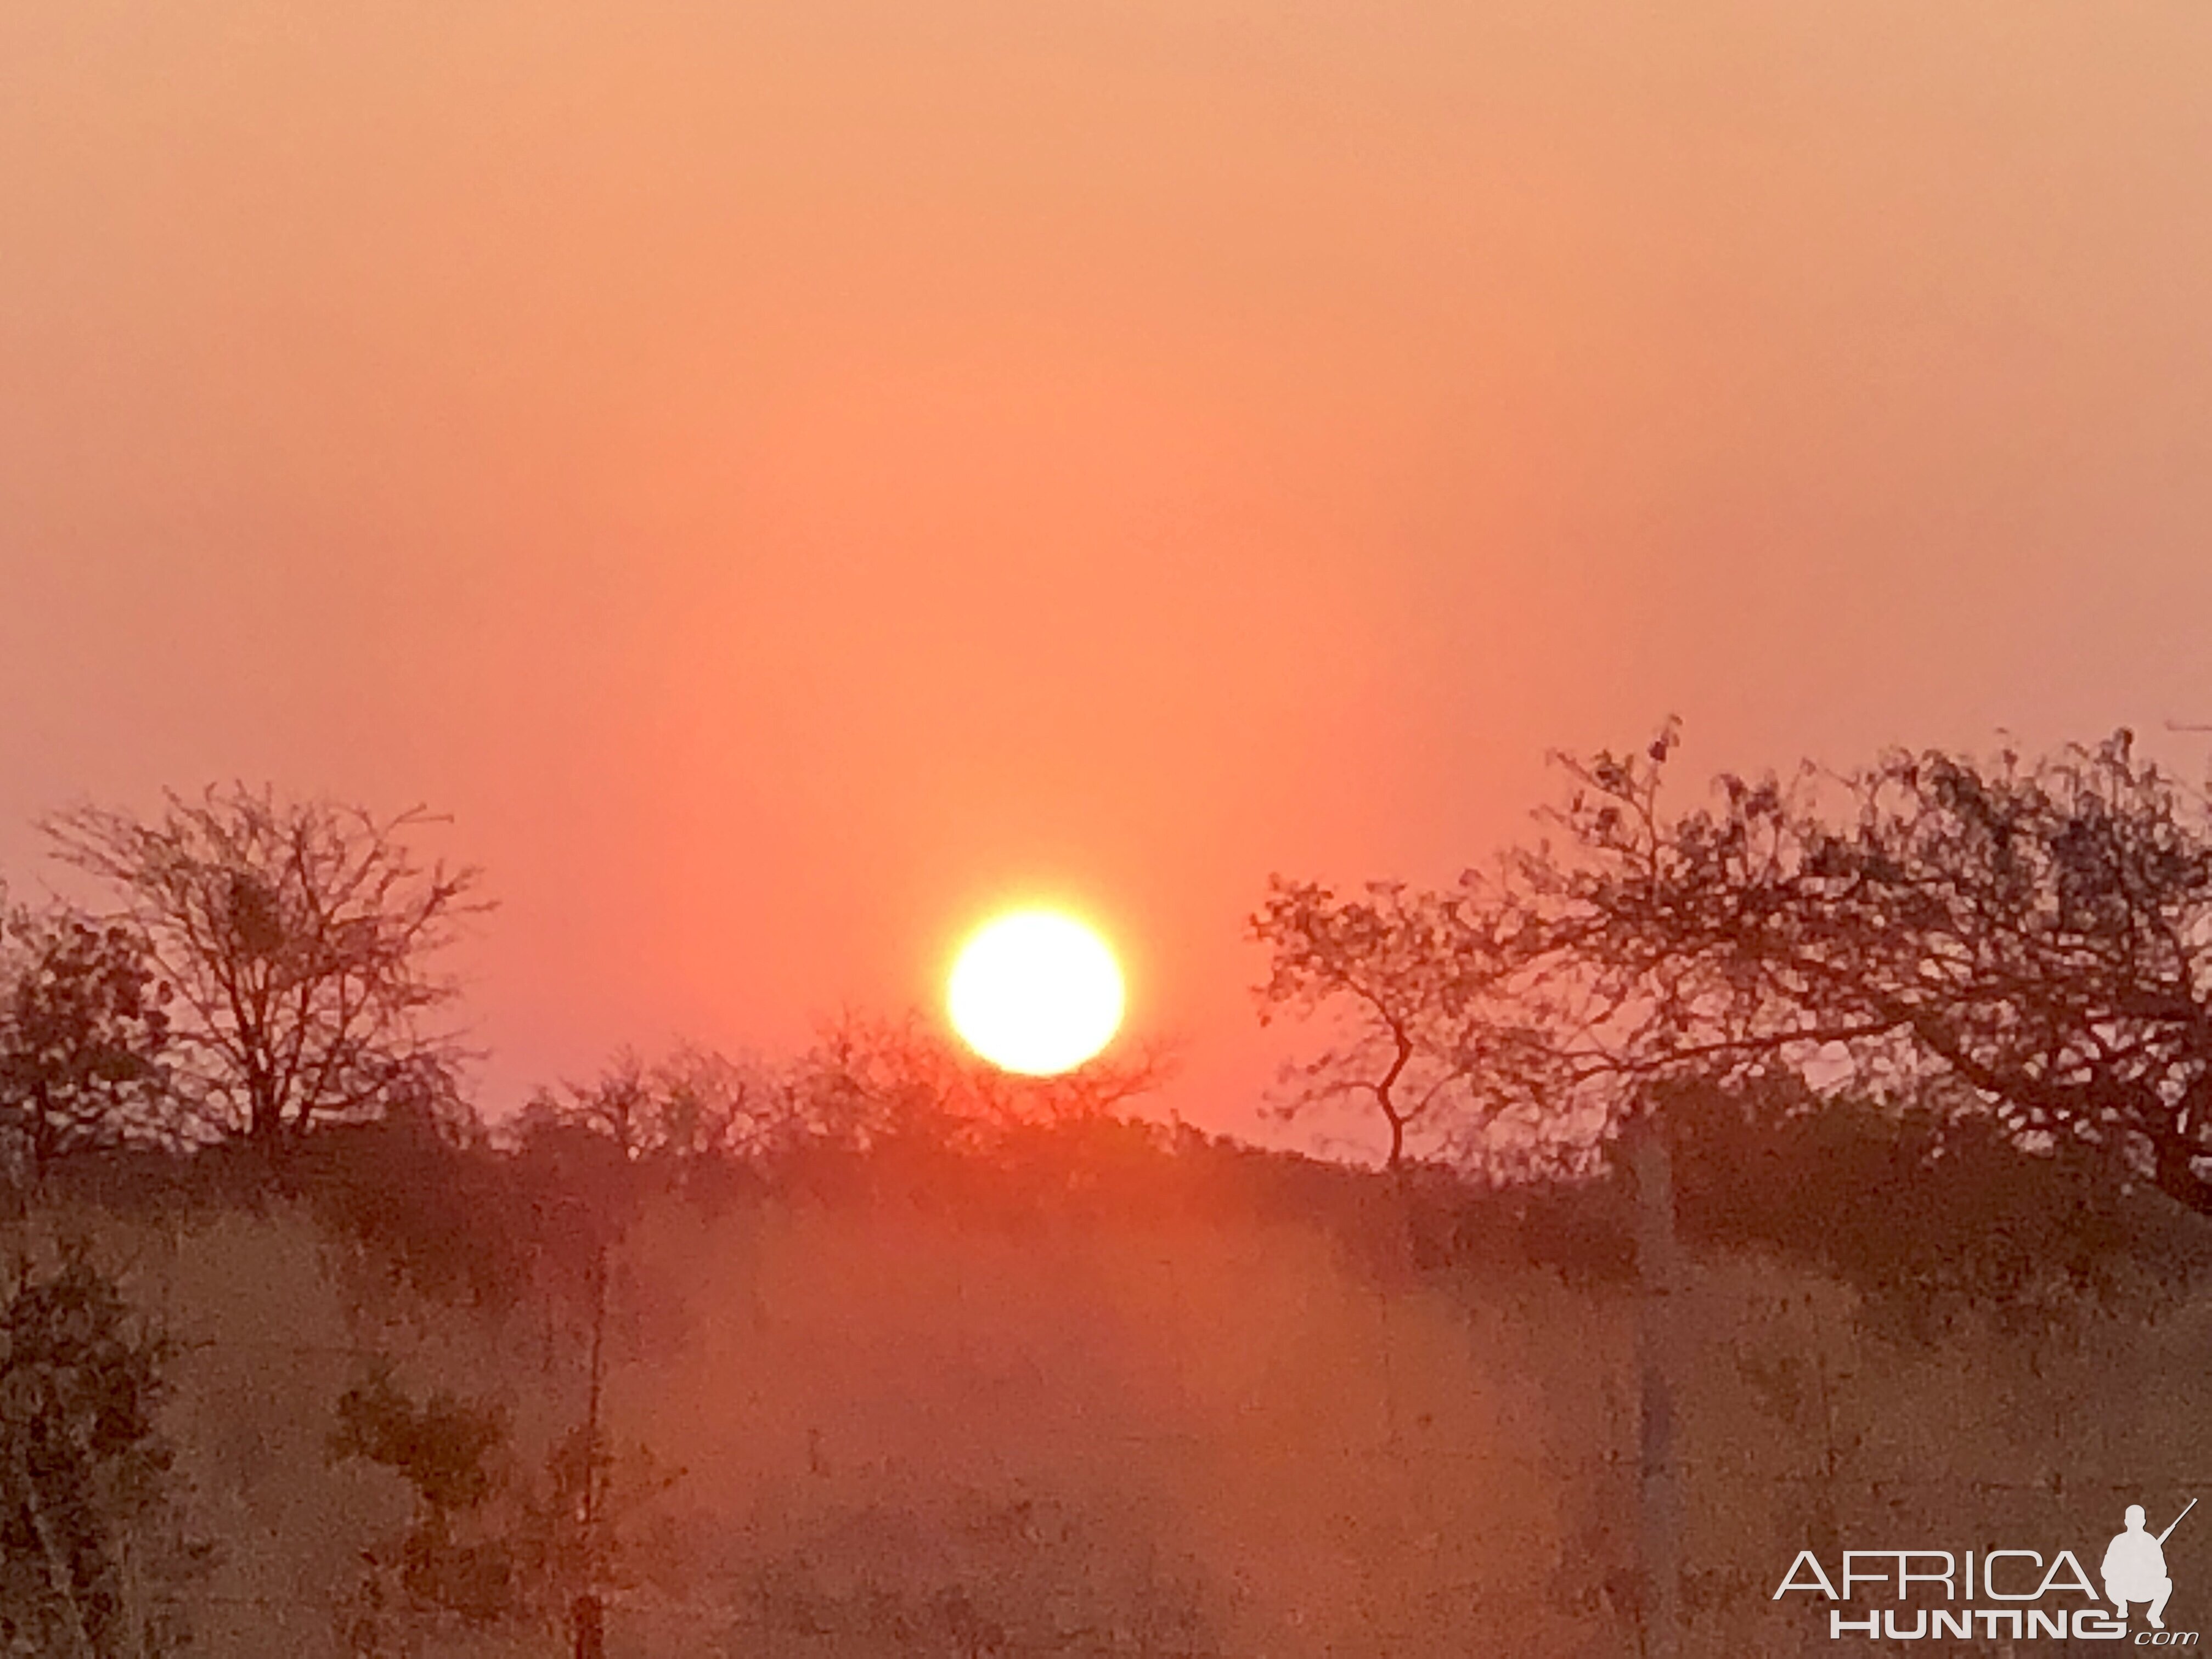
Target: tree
[
  {"x": 488, "y": 1542},
  {"x": 83, "y": 1030},
  {"x": 1385, "y": 961},
  {"x": 870, "y": 1083},
  {"x": 690, "y": 1108},
  {"x": 453, "y": 1562},
  {"x": 1428, "y": 993},
  {"x": 299, "y": 937},
  {"x": 95, "y": 1557},
  {"x": 2038, "y": 931}
]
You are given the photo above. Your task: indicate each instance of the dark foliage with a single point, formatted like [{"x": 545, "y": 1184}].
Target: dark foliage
[
  {"x": 1925, "y": 1208},
  {"x": 429, "y": 1202},
  {"x": 974, "y": 1577},
  {"x": 84, "y": 1474},
  {"x": 490, "y": 1541},
  {"x": 441, "y": 1448},
  {"x": 83, "y": 1035},
  {"x": 2036, "y": 933},
  {"x": 452, "y": 1453}
]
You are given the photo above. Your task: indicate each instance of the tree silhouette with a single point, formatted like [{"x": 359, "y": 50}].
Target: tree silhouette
[
  {"x": 93, "y": 1555},
  {"x": 2041, "y": 931},
  {"x": 868, "y": 1081},
  {"x": 1445, "y": 1009},
  {"x": 299, "y": 939},
  {"x": 2038, "y": 931},
  {"x": 692, "y": 1109},
  {"x": 1390, "y": 961},
  {"x": 82, "y": 1035}
]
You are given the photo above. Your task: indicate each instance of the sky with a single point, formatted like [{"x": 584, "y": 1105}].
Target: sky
[{"x": 788, "y": 479}]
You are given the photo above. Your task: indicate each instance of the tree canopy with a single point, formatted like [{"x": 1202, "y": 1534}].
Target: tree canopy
[
  {"x": 83, "y": 1036},
  {"x": 300, "y": 938},
  {"x": 2038, "y": 931}
]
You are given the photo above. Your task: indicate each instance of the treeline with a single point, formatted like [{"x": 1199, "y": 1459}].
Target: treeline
[
  {"x": 1929, "y": 1217},
  {"x": 260, "y": 1008}
]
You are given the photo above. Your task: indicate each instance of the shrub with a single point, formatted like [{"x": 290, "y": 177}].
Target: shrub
[{"x": 92, "y": 1558}]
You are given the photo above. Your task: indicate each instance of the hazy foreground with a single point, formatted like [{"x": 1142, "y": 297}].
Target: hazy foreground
[{"x": 1252, "y": 1411}]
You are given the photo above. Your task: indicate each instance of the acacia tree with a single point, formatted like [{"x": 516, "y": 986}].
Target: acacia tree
[
  {"x": 2038, "y": 931},
  {"x": 1405, "y": 977},
  {"x": 83, "y": 1033},
  {"x": 299, "y": 938}
]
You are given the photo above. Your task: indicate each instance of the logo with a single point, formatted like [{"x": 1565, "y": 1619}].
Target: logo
[
  {"x": 2134, "y": 1566},
  {"x": 2032, "y": 1599}
]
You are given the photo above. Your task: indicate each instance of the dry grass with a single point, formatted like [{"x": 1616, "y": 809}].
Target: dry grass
[{"x": 900, "y": 1433}]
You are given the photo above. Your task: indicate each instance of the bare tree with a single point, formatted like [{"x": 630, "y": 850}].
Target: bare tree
[
  {"x": 868, "y": 1080},
  {"x": 299, "y": 937},
  {"x": 691, "y": 1107}
]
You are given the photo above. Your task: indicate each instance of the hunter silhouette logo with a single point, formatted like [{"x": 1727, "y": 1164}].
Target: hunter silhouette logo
[{"x": 2135, "y": 1566}]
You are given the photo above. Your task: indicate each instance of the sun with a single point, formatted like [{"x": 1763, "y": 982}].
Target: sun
[{"x": 1035, "y": 991}]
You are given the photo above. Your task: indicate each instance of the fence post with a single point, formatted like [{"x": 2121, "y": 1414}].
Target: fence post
[{"x": 1657, "y": 1340}]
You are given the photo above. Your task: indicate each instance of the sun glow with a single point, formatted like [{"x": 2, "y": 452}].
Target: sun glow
[{"x": 1035, "y": 991}]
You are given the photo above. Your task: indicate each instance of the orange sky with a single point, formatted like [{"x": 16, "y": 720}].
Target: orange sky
[{"x": 786, "y": 475}]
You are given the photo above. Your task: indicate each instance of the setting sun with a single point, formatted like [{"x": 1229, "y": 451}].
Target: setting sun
[{"x": 1035, "y": 991}]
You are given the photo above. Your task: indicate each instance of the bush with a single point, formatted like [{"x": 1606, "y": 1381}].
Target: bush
[{"x": 92, "y": 1556}]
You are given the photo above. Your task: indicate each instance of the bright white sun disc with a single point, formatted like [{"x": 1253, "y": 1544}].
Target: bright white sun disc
[{"x": 1035, "y": 991}]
